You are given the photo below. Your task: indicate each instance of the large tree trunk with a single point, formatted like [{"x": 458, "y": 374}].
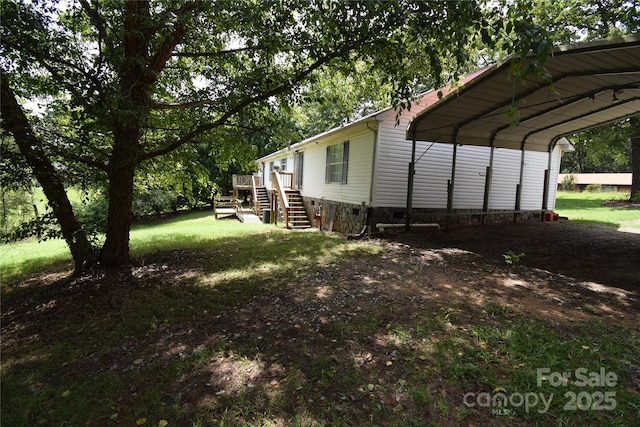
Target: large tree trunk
[
  {"x": 635, "y": 157},
  {"x": 116, "y": 246},
  {"x": 133, "y": 110},
  {"x": 122, "y": 170},
  {"x": 15, "y": 121}
]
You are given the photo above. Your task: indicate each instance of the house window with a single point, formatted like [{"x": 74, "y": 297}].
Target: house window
[
  {"x": 283, "y": 164},
  {"x": 337, "y": 161}
]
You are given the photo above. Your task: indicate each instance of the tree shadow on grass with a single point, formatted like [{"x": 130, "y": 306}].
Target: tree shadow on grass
[{"x": 328, "y": 335}]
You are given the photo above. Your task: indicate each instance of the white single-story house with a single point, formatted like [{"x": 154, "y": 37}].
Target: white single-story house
[
  {"x": 362, "y": 168},
  {"x": 471, "y": 160}
]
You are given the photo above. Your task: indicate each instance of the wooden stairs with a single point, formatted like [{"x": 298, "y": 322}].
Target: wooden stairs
[
  {"x": 262, "y": 201},
  {"x": 297, "y": 215}
]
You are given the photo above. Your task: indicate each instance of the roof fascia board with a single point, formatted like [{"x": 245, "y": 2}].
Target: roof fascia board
[{"x": 363, "y": 121}]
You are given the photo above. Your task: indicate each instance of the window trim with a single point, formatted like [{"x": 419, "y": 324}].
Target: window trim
[{"x": 344, "y": 164}]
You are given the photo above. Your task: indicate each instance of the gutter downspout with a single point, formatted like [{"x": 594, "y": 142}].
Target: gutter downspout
[
  {"x": 373, "y": 160},
  {"x": 369, "y": 214}
]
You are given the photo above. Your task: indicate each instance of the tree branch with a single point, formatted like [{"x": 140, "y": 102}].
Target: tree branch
[
  {"x": 217, "y": 54},
  {"x": 16, "y": 122},
  {"x": 97, "y": 22},
  {"x": 89, "y": 161},
  {"x": 283, "y": 87},
  {"x": 48, "y": 61},
  {"x": 156, "y": 105},
  {"x": 159, "y": 60}
]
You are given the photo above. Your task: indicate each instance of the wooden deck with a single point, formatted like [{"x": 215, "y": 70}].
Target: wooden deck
[
  {"x": 228, "y": 206},
  {"x": 247, "y": 216},
  {"x": 224, "y": 206}
]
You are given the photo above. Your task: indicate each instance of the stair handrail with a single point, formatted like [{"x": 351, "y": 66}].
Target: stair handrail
[
  {"x": 276, "y": 179},
  {"x": 256, "y": 182},
  {"x": 239, "y": 209}
]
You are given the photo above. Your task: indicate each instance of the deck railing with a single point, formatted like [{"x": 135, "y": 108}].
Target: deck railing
[
  {"x": 241, "y": 181},
  {"x": 239, "y": 210},
  {"x": 220, "y": 203},
  {"x": 256, "y": 182}
]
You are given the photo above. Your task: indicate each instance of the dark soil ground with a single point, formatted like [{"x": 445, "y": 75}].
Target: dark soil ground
[
  {"x": 566, "y": 266},
  {"x": 569, "y": 273}
]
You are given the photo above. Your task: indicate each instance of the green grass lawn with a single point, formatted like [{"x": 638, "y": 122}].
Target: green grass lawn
[
  {"x": 193, "y": 230},
  {"x": 589, "y": 207},
  {"x": 220, "y": 323},
  {"x": 199, "y": 230}
]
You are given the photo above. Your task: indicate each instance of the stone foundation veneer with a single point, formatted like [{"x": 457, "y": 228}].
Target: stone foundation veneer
[
  {"x": 439, "y": 216},
  {"x": 341, "y": 217},
  {"x": 348, "y": 218}
]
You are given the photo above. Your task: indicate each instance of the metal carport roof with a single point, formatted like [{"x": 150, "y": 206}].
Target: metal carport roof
[{"x": 591, "y": 84}]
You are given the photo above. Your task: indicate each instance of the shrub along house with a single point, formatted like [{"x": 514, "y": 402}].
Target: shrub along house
[{"x": 458, "y": 157}]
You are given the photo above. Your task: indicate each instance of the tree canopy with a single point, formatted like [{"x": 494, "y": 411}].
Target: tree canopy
[{"x": 125, "y": 83}]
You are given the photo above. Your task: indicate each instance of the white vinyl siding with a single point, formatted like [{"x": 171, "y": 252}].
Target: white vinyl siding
[
  {"x": 432, "y": 170},
  {"x": 357, "y": 187},
  {"x": 505, "y": 178},
  {"x": 556, "y": 157},
  {"x": 533, "y": 186},
  {"x": 471, "y": 175}
]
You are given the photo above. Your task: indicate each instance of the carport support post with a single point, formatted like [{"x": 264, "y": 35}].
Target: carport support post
[
  {"x": 451, "y": 185},
  {"x": 407, "y": 224},
  {"x": 547, "y": 178},
  {"x": 545, "y": 191},
  {"x": 487, "y": 185},
  {"x": 516, "y": 214},
  {"x": 519, "y": 186}
]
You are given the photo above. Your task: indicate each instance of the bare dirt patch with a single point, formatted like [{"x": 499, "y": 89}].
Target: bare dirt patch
[{"x": 627, "y": 204}]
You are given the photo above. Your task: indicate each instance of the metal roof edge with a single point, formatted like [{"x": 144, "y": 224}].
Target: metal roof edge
[
  {"x": 489, "y": 71},
  {"x": 597, "y": 44},
  {"x": 483, "y": 74},
  {"x": 362, "y": 120}
]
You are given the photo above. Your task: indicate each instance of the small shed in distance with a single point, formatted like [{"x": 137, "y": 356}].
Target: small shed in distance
[{"x": 607, "y": 181}]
